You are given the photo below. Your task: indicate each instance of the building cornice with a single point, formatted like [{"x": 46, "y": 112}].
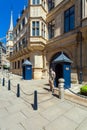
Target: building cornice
[
  {"x": 62, "y": 40},
  {"x": 39, "y": 18}
]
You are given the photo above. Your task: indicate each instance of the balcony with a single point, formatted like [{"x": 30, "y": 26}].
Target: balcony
[
  {"x": 22, "y": 50},
  {"x": 37, "y": 42}
]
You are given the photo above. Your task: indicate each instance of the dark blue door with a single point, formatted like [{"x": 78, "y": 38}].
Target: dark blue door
[
  {"x": 28, "y": 73},
  {"x": 27, "y": 70},
  {"x": 67, "y": 75}
]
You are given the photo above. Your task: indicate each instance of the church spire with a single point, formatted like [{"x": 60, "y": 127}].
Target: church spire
[{"x": 11, "y": 22}]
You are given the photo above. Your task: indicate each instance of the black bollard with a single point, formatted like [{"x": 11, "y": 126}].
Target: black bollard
[
  {"x": 35, "y": 101},
  {"x": 9, "y": 85},
  {"x": 18, "y": 90},
  {"x": 3, "y": 82}
]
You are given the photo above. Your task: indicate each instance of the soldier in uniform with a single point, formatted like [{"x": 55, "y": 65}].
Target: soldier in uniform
[{"x": 52, "y": 76}]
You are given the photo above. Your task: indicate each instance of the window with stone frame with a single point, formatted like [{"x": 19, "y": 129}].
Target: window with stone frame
[
  {"x": 35, "y": 28},
  {"x": 51, "y": 4},
  {"x": 15, "y": 65},
  {"x": 16, "y": 32},
  {"x": 24, "y": 42},
  {"x": 19, "y": 27},
  {"x": 18, "y": 64},
  {"x": 11, "y": 53},
  {"x": 23, "y": 22},
  {"x": 35, "y": 2},
  {"x": 43, "y": 30},
  {"x": 69, "y": 19},
  {"x": 51, "y": 27},
  {"x": 15, "y": 47}
]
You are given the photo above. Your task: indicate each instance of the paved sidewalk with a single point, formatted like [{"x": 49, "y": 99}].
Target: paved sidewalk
[{"x": 52, "y": 114}]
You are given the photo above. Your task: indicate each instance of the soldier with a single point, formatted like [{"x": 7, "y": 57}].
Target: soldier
[{"x": 52, "y": 76}]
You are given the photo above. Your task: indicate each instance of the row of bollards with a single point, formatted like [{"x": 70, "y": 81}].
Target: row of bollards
[
  {"x": 35, "y": 105},
  {"x": 9, "y": 86}
]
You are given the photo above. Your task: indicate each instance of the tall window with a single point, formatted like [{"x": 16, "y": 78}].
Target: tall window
[
  {"x": 69, "y": 19},
  {"x": 16, "y": 47},
  {"x": 23, "y": 22},
  {"x": 43, "y": 30},
  {"x": 19, "y": 46},
  {"x": 19, "y": 27},
  {"x": 16, "y": 33},
  {"x": 15, "y": 65},
  {"x": 51, "y": 26},
  {"x": 35, "y": 28},
  {"x": 10, "y": 53},
  {"x": 18, "y": 64},
  {"x": 24, "y": 42},
  {"x": 36, "y": 2},
  {"x": 51, "y": 4}
]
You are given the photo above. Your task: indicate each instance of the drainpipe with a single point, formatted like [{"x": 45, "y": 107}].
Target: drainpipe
[{"x": 80, "y": 73}]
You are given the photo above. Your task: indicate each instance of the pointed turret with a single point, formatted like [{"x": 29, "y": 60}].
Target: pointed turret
[
  {"x": 9, "y": 38},
  {"x": 11, "y": 22}
]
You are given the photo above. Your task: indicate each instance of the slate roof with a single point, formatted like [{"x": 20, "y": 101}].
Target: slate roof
[
  {"x": 62, "y": 58},
  {"x": 26, "y": 62}
]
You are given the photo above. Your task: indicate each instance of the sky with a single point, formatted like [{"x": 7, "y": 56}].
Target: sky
[{"x": 5, "y": 13}]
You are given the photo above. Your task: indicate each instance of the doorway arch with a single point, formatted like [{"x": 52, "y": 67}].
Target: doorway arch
[
  {"x": 58, "y": 72},
  {"x": 61, "y": 64}
]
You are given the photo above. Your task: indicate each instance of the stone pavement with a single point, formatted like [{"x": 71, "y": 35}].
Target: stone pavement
[{"x": 52, "y": 114}]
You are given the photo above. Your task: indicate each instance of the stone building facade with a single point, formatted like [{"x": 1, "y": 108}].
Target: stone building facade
[
  {"x": 47, "y": 28},
  {"x": 3, "y": 60},
  {"x": 30, "y": 36}
]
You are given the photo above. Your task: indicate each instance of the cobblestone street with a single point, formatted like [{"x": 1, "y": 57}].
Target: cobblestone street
[{"x": 52, "y": 114}]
